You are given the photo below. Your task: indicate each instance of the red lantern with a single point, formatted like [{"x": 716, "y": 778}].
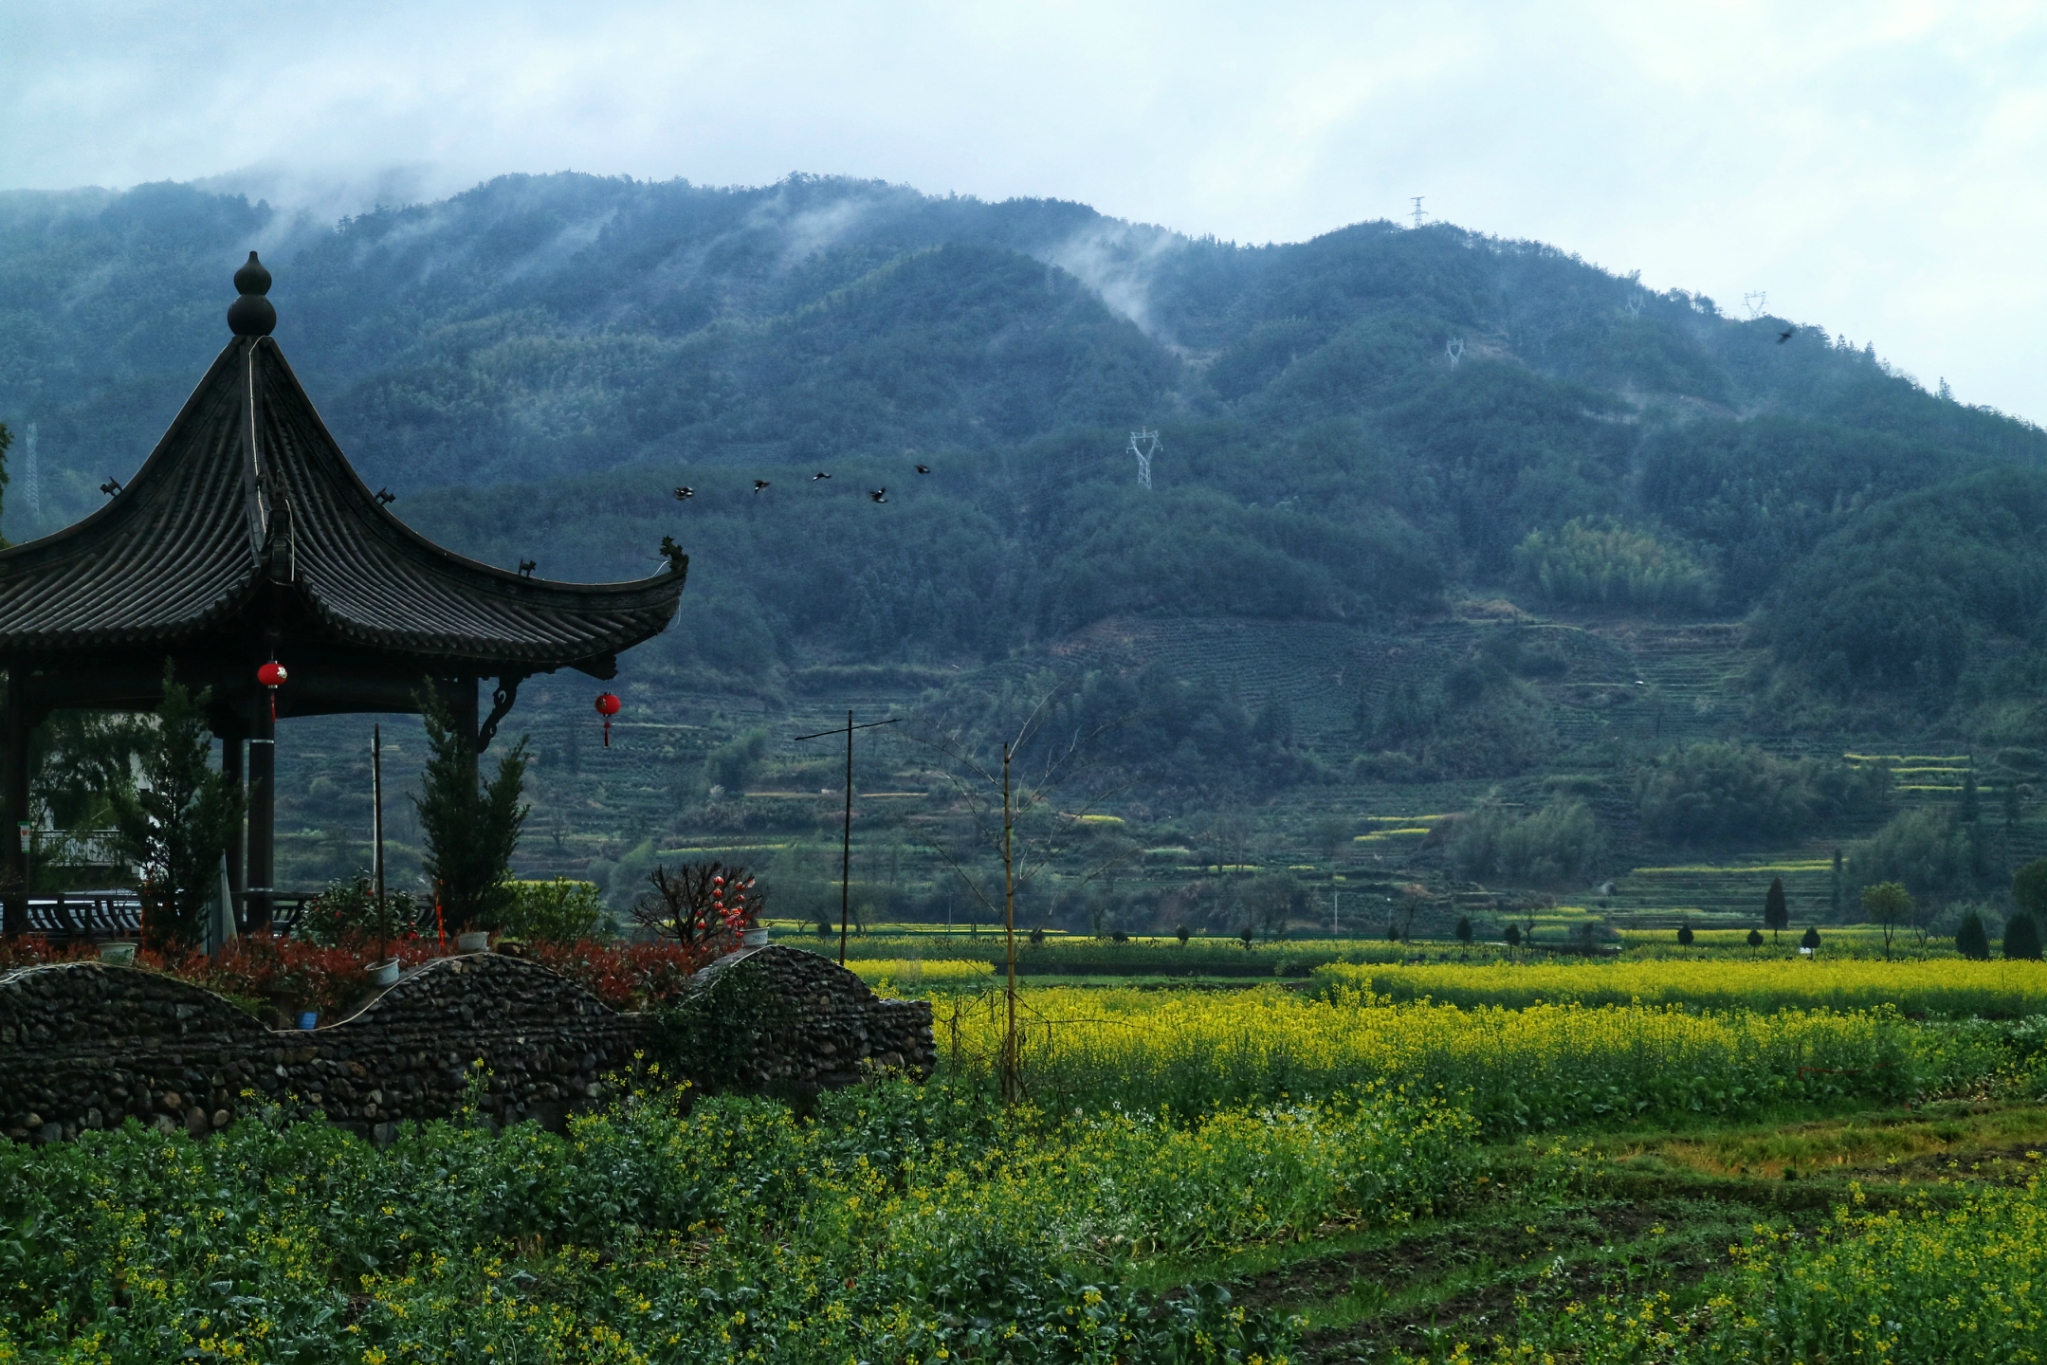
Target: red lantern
[
  {"x": 272, "y": 676},
  {"x": 607, "y": 707}
]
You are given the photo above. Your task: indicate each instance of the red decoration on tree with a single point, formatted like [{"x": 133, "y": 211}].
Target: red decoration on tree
[
  {"x": 272, "y": 676},
  {"x": 607, "y": 707}
]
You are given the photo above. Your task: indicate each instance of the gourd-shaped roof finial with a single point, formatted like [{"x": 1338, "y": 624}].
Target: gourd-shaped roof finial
[{"x": 252, "y": 315}]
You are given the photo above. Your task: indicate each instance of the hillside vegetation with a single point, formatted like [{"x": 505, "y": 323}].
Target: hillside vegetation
[{"x": 1379, "y": 451}]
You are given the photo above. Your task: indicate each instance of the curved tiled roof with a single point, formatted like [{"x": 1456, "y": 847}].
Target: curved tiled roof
[{"x": 247, "y": 488}]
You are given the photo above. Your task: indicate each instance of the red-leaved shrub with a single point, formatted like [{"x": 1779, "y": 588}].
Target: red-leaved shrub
[{"x": 294, "y": 975}]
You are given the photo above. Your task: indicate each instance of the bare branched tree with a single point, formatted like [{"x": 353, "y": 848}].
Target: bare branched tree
[
  {"x": 683, "y": 904},
  {"x": 1035, "y": 788}
]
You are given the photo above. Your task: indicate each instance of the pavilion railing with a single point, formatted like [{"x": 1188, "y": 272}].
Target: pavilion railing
[{"x": 74, "y": 916}]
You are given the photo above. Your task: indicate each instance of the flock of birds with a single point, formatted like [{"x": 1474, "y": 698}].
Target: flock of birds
[{"x": 683, "y": 492}]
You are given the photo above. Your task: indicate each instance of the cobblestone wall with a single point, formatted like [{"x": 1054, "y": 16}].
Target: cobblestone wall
[{"x": 83, "y": 1045}]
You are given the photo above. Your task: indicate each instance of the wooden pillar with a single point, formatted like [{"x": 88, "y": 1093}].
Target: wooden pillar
[
  {"x": 14, "y": 728},
  {"x": 231, "y": 765},
  {"x": 260, "y": 887}
]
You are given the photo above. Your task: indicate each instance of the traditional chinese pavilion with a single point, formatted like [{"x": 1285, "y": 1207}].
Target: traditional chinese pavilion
[{"x": 248, "y": 539}]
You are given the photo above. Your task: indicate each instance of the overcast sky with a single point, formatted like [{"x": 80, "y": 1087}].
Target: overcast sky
[{"x": 1877, "y": 169}]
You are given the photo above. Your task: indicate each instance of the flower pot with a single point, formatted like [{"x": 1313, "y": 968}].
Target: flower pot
[
  {"x": 118, "y": 954},
  {"x": 474, "y": 941},
  {"x": 756, "y": 937},
  {"x": 384, "y": 973}
]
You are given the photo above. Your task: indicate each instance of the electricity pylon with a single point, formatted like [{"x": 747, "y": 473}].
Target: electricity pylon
[{"x": 1144, "y": 445}]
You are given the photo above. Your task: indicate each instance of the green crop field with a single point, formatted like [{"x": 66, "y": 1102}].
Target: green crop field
[{"x": 1190, "y": 1175}]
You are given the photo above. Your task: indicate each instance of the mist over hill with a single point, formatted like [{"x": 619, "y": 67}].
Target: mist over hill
[
  {"x": 1351, "y": 426},
  {"x": 1431, "y": 512}
]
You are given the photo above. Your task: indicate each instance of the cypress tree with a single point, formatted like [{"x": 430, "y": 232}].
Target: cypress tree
[
  {"x": 1464, "y": 930},
  {"x": 1755, "y": 938},
  {"x": 1776, "y": 914},
  {"x": 1811, "y": 939},
  {"x": 1684, "y": 935},
  {"x": 1971, "y": 940},
  {"x": 2029, "y": 887},
  {"x": 470, "y": 827},
  {"x": 2022, "y": 938}
]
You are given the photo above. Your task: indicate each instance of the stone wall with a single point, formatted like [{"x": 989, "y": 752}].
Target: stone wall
[
  {"x": 796, "y": 1023},
  {"x": 83, "y": 1045}
]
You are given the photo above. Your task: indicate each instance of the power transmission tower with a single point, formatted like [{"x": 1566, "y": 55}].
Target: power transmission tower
[
  {"x": 33, "y": 484},
  {"x": 1144, "y": 445},
  {"x": 1418, "y": 214},
  {"x": 1454, "y": 348},
  {"x": 1756, "y": 302}
]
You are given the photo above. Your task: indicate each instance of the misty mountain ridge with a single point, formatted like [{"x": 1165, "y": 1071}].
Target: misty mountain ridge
[{"x": 1353, "y": 427}]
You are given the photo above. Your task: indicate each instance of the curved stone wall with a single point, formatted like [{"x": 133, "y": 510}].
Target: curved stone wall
[{"x": 84, "y": 1045}]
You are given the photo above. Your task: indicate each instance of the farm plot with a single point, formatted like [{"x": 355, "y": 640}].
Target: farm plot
[{"x": 1947, "y": 987}]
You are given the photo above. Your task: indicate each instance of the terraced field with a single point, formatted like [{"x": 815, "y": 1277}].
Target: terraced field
[{"x": 1626, "y": 690}]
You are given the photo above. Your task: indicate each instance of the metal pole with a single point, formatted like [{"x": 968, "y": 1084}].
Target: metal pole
[
  {"x": 1009, "y": 1058},
  {"x": 846, "y": 847},
  {"x": 377, "y": 825}
]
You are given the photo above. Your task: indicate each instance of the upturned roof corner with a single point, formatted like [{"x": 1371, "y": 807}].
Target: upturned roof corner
[{"x": 247, "y": 517}]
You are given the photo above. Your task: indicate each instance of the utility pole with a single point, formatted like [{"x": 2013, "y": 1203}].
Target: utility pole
[
  {"x": 32, "y": 485},
  {"x": 377, "y": 832},
  {"x": 846, "y": 838},
  {"x": 1009, "y": 1058}
]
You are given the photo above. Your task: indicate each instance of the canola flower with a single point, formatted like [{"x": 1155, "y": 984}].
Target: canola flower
[
  {"x": 1941, "y": 987},
  {"x": 1542, "y": 1066},
  {"x": 909, "y": 974},
  {"x": 897, "y": 1224},
  {"x": 1952, "y": 1282}
]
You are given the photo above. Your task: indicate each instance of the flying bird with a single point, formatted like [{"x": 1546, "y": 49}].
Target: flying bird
[
  {"x": 111, "y": 486},
  {"x": 1786, "y": 335},
  {"x": 923, "y": 469},
  {"x": 684, "y": 493},
  {"x": 759, "y": 484},
  {"x": 879, "y": 494},
  {"x": 819, "y": 475}
]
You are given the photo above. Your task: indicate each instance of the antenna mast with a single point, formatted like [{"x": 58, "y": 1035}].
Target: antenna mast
[
  {"x": 1418, "y": 214},
  {"x": 1144, "y": 445},
  {"x": 33, "y": 484}
]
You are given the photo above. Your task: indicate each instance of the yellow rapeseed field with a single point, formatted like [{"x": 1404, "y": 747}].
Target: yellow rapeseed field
[
  {"x": 910, "y": 974},
  {"x": 1532, "y": 1067},
  {"x": 1945, "y": 1281},
  {"x": 1942, "y": 987}
]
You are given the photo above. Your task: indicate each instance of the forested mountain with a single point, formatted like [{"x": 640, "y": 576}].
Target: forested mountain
[
  {"x": 1359, "y": 428},
  {"x": 1372, "y": 438}
]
